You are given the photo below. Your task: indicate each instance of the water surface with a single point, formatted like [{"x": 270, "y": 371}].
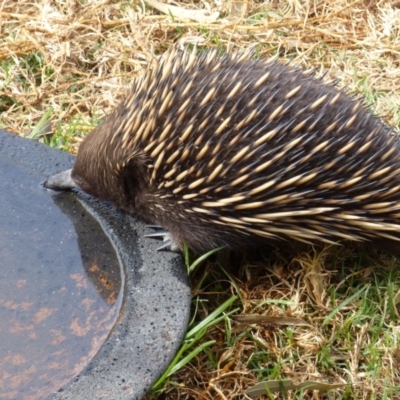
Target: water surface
[{"x": 60, "y": 286}]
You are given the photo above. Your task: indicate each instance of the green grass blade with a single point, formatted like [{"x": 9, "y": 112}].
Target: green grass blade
[
  {"x": 38, "y": 129},
  {"x": 344, "y": 304},
  {"x": 211, "y": 319},
  {"x": 202, "y": 258}
]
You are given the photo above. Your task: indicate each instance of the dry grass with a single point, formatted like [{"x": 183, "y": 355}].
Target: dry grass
[
  {"x": 343, "y": 330},
  {"x": 78, "y": 57},
  {"x": 75, "y": 59}
]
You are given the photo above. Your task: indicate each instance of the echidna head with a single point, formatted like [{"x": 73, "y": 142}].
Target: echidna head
[{"x": 105, "y": 171}]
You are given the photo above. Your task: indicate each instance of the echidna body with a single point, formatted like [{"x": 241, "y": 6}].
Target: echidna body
[{"x": 224, "y": 150}]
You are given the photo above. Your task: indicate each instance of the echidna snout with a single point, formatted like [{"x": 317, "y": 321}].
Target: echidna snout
[{"x": 224, "y": 150}]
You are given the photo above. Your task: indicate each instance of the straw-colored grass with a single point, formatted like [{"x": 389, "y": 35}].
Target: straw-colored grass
[{"x": 72, "y": 60}]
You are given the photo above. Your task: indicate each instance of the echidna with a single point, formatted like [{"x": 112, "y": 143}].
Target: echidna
[{"x": 225, "y": 150}]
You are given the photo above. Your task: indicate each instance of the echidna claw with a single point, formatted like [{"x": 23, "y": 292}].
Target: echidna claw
[
  {"x": 168, "y": 242},
  {"x": 165, "y": 246},
  {"x": 161, "y": 234}
]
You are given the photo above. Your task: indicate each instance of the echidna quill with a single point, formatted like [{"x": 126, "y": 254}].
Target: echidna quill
[{"x": 224, "y": 150}]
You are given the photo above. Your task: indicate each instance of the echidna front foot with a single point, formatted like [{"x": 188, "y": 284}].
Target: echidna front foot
[{"x": 168, "y": 242}]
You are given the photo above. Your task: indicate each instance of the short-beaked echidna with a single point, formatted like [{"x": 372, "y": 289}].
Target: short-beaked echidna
[{"x": 225, "y": 150}]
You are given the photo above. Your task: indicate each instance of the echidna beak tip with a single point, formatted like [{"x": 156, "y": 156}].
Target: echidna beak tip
[{"x": 60, "y": 181}]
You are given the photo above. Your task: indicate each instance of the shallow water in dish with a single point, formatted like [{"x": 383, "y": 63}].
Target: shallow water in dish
[{"x": 60, "y": 286}]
